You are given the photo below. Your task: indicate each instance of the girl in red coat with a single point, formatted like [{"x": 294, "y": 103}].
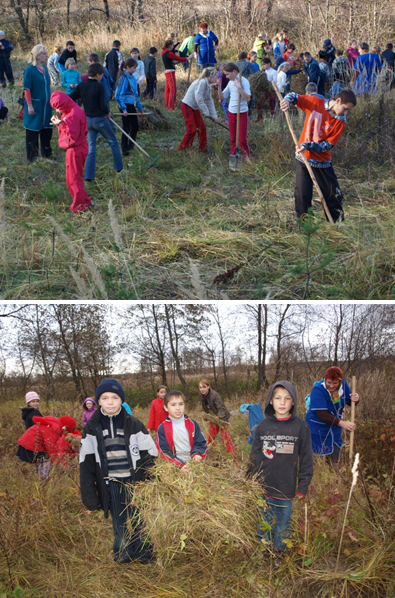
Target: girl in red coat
[
  {"x": 168, "y": 58},
  {"x": 73, "y": 129},
  {"x": 157, "y": 414}
]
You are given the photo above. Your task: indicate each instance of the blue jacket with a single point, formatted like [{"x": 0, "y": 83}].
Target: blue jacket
[
  {"x": 7, "y": 49},
  {"x": 206, "y": 49},
  {"x": 255, "y": 415},
  {"x": 312, "y": 71},
  {"x": 70, "y": 77},
  {"x": 127, "y": 92},
  {"x": 324, "y": 435},
  {"x": 108, "y": 84}
]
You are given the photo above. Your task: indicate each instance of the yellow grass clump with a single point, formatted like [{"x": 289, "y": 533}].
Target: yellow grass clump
[{"x": 208, "y": 512}]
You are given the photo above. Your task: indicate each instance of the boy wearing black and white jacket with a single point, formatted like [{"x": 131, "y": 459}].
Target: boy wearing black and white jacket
[
  {"x": 116, "y": 451},
  {"x": 282, "y": 458}
]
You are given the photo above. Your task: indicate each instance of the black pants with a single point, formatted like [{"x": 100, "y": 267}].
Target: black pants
[
  {"x": 327, "y": 181},
  {"x": 150, "y": 89},
  {"x": 6, "y": 71},
  {"x": 130, "y": 125},
  {"x": 3, "y": 112},
  {"x": 32, "y": 144}
]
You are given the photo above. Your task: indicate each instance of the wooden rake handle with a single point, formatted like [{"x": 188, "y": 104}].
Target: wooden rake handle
[
  {"x": 311, "y": 173},
  {"x": 352, "y": 433}
]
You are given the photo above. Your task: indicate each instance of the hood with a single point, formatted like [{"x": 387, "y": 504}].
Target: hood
[
  {"x": 269, "y": 411},
  {"x": 92, "y": 401},
  {"x": 61, "y": 101},
  {"x": 68, "y": 422},
  {"x": 49, "y": 420}
]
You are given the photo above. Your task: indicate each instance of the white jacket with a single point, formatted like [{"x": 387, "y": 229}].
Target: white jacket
[{"x": 198, "y": 97}]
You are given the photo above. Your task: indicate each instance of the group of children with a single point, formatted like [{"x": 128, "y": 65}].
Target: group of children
[{"x": 117, "y": 450}]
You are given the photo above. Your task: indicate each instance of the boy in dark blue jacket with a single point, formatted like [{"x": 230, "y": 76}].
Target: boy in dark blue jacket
[
  {"x": 282, "y": 458},
  {"x": 179, "y": 438},
  {"x": 5, "y": 63},
  {"x": 116, "y": 451}
]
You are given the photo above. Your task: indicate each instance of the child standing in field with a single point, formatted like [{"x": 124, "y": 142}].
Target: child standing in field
[
  {"x": 237, "y": 85},
  {"x": 150, "y": 73},
  {"x": 31, "y": 409},
  {"x": 107, "y": 81},
  {"x": 3, "y": 109},
  {"x": 212, "y": 402},
  {"x": 68, "y": 52},
  {"x": 53, "y": 65},
  {"x": 197, "y": 100},
  {"x": 128, "y": 100},
  {"x": 157, "y": 413},
  {"x": 282, "y": 458},
  {"x": 72, "y": 129},
  {"x": 98, "y": 114},
  {"x": 89, "y": 408},
  {"x": 168, "y": 58},
  {"x": 324, "y": 124},
  {"x": 113, "y": 59},
  {"x": 5, "y": 62},
  {"x": 179, "y": 439},
  {"x": 282, "y": 80},
  {"x": 70, "y": 77},
  {"x": 139, "y": 73},
  {"x": 116, "y": 451}
]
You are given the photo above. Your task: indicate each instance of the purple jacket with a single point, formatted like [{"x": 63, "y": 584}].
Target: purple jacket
[{"x": 88, "y": 413}]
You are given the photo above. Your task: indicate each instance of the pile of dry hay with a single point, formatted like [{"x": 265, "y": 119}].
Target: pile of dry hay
[{"x": 210, "y": 511}]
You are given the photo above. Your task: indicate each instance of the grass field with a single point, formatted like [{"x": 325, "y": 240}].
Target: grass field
[
  {"x": 50, "y": 546},
  {"x": 190, "y": 228}
]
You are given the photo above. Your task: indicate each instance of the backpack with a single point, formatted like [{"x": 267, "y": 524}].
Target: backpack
[{"x": 307, "y": 398}]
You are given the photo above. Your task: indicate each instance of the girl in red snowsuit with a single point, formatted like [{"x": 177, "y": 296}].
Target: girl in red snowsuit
[{"x": 73, "y": 129}]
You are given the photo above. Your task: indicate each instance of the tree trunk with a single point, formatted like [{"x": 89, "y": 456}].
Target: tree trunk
[
  {"x": 279, "y": 341},
  {"x": 171, "y": 328},
  {"x": 161, "y": 354},
  {"x": 23, "y": 21},
  {"x": 107, "y": 13}
]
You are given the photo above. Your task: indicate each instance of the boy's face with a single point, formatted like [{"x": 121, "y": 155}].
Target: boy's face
[
  {"x": 204, "y": 388},
  {"x": 282, "y": 402},
  {"x": 162, "y": 392},
  {"x": 307, "y": 59},
  {"x": 253, "y": 57},
  {"x": 175, "y": 407},
  {"x": 332, "y": 384},
  {"x": 70, "y": 48},
  {"x": 110, "y": 403},
  {"x": 36, "y": 402},
  {"x": 89, "y": 405},
  {"x": 266, "y": 66},
  {"x": 342, "y": 109}
]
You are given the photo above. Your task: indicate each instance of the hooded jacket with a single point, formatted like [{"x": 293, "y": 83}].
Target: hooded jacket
[
  {"x": 73, "y": 128},
  {"x": 93, "y": 459},
  {"x": 43, "y": 436},
  {"x": 281, "y": 453},
  {"x": 88, "y": 412},
  {"x": 27, "y": 415}
]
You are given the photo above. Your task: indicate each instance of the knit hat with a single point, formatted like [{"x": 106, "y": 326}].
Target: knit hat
[
  {"x": 327, "y": 43},
  {"x": 31, "y": 396},
  {"x": 2, "y": 33},
  {"x": 109, "y": 385}
]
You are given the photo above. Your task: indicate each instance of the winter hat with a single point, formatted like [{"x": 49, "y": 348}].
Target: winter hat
[
  {"x": 31, "y": 396},
  {"x": 327, "y": 43},
  {"x": 2, "y": 33},
  {"x": 109, "y": 385},
  {"x": 68, "y": 422}
]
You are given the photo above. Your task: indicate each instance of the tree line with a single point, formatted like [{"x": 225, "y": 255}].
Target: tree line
[{"x": 162, "y": 343}]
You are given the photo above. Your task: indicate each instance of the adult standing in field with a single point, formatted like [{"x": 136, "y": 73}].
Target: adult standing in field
[
  {"x": 206, "y": 42},
  {"x": 212, "y": 402},
  {"x": 324, "y": 416},
  {"x": 365, "y": 71},
  {"x": 37, "y": 108}
]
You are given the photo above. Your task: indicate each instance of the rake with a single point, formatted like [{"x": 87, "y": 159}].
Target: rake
[{"x": 153, "y": 160}]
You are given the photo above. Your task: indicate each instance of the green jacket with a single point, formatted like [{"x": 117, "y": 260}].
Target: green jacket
[{"x": 40, "y": 90}]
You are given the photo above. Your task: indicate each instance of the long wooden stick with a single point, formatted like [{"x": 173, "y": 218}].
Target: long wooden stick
[
  {"x": 131, "y": 114},
  {"x": 311, "y": 173},
  {"x": 353, "y": 390},
  {"x": 189, "y": 70}
]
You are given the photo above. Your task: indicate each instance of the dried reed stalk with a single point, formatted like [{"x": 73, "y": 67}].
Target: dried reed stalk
[
  {"x": 354, "y": 472},
  {"x": 116, "y": 229}
]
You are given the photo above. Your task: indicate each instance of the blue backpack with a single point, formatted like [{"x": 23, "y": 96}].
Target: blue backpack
[
  {"x": 255, "y": 415},
  {"x": 307, "y": 398}
]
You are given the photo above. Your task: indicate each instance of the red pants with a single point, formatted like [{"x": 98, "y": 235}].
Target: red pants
[
  {"x": 170, "y": 90},
  {"x": 232, "y": 120},
  {"x": 213, "y": 431},
  {"x": 194, "y": 124},
  {"x": 75, "y": 162}
]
